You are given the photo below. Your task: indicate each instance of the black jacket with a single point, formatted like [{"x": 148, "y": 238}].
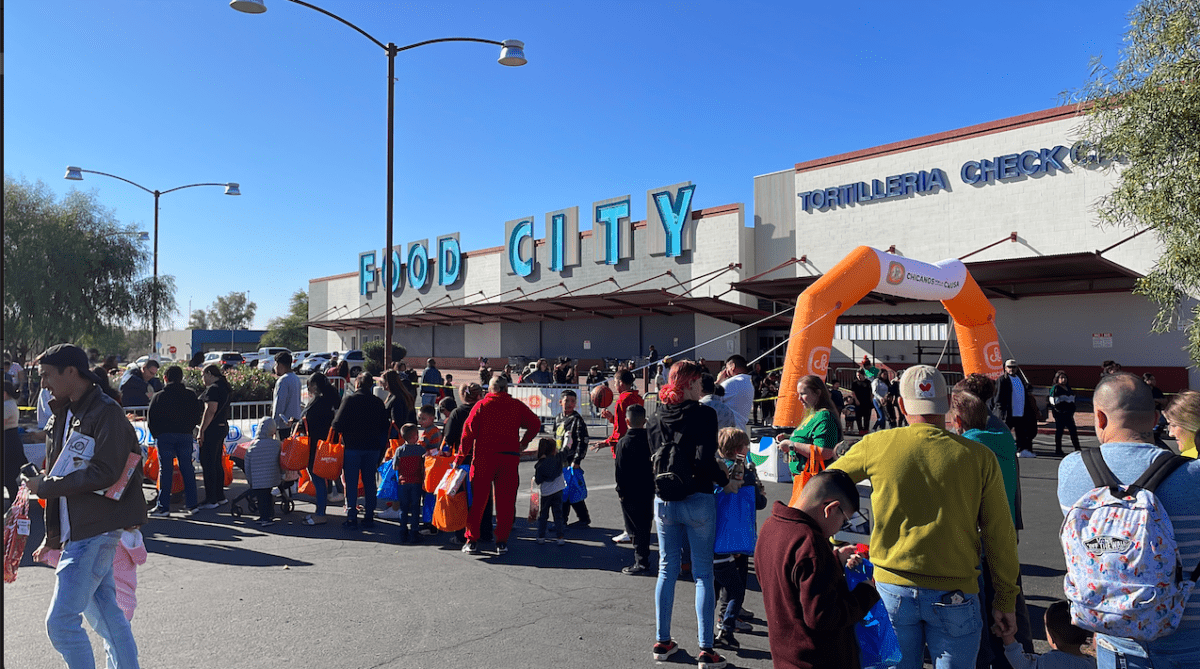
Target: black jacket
[
  {"x": 362, "y": 421},
  {"x": 175, "y": 410},
  {"x": 698, "y": 425},
  {"x": 318, "y": 416},
  {"x": 635, "y": 478}
]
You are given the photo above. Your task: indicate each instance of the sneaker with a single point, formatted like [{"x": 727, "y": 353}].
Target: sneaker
[
  {"x": 389, "y": 514},
  {"x": 350, "y": 523},
  {"x": 223, "y": 502},
  {"x": 743, "y": 614},
  {"x": 622, "y": 538},
  {"x": 541, "y": 540},
  {"x": 210, "y": 505},
  {"x": 726, "y": 640},
  {"x": 561, "y": 541},
  {"x": 709, "y": 659},
  {"x": 160, "y": 513},
  {"x": 471, "y": 548},
  {"x": 742, "y": 625},
  {"x": 665, "y": 649},
  {"x": 337, "y": 497},
  {"x": 454, "y": 540},
  {"x": 191, "y": 510},
  {"x": 501, "y": 548},
  {"x": 427, "y": 530},
  {"x": 581, "y": 523},
  {"x": 635, "y": 569},
  {"x": 266, "y": 523},
  {"x": 1026, "y": 454}
]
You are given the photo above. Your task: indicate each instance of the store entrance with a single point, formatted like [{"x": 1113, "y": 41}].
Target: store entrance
[{"x": 768, "y": 339}]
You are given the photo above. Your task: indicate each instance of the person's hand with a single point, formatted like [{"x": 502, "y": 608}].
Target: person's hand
[
  {"x": 40, "y": 552},
  {"x": 854, "y": 561},
  {"x": 606, "y": 414},
  {"x": 733, "y": 486},
  {"x": 1006, "y": 625},
  {"x": 1008, "y": 638},
  {"x": 32, "y": 483},
  {"x": 844, "y": 553}
]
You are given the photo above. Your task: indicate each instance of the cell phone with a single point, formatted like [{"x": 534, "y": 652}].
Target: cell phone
[
  {"x": 30, "y": 470},
  {"x": 953, "y": 598}
]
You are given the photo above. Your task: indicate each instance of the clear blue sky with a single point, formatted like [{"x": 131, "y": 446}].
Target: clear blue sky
[{"x": 618, "y": 97}]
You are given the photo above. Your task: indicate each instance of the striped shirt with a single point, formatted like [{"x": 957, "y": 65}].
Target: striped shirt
[{"x": 1178, "y": 495}]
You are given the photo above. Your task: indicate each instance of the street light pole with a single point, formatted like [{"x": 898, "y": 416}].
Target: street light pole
[
  {"x": 512, "y": 54},
  {"x": 231, "y": 188}
]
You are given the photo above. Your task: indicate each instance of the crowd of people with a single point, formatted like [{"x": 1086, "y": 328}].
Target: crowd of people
[{"x": 942, "y": 463}]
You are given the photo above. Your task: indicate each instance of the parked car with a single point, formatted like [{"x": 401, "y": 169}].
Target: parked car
[
  {"x": 266, "y": 357},
  {"x": 298, "y": 359},
  {"x": 314, "y": 362},
  {"x": 355, "y": 360},
  {"x": 226, "y": 359}
]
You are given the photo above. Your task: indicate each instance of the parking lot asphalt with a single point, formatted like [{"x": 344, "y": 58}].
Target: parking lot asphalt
[{"x": 218, "y": 591}]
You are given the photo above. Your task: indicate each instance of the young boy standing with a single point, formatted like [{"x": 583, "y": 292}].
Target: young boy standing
[
  {"x": 570, "y": 432},
  {"x": 409, "y": 464},
  {"x": 635, "y": 487},
  {"x": 810, "y": 610}
]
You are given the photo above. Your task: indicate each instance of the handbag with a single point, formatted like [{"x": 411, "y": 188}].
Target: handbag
[
  {"x": 737, "y": 522},
  {"x": 293, "y": 454},
  {"x": 450, "y": 512},
  {"x": 814, "y": 466},
  {"x": 435, "y": 468},
  {"x": 328, "y": 462},
  {"x": 389, "y": 485},
  {"x": 535, "y": 502},
  {"x": 576, "y": 490},
  {"x": 878, "y": 646},
  {"x": 306, "y": 486},
  {"x": 227, "y": 465},
  {"x": 150, "y": 468},
  {"x": 393, "y": 444}
]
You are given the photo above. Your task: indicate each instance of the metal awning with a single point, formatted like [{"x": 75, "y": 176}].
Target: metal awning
[
  {"x": 1013, "y": 278},
  {"x": 611, "y": 305}
]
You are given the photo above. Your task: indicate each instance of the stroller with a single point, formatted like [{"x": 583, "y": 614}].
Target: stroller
[{"x": 286, "y": 505}]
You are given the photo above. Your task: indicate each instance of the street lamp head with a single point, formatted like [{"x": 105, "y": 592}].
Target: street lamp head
[
  {"x": 232, "y": 189},
  {"x": 512, "y": 53},
  {"x": 74, "y": 174},
  {"x": 143, "y": 236},
  {"x": 249, "y": 6}
]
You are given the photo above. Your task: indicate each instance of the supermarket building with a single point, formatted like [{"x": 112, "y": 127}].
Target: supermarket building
[{"x": 1014, "y": 199}]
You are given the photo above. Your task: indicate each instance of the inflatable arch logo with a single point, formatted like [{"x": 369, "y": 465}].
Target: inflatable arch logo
[{"x": 868, "y": 270}]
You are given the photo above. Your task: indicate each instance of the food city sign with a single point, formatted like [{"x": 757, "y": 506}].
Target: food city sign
[
  {"x": 1028, "y": 163},
  {"x": 668, "y": 214}
]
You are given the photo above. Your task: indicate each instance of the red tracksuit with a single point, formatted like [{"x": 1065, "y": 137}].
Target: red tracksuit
[
  {"x": 620, "y": 427},
  {"x": 491, "y": 438}
]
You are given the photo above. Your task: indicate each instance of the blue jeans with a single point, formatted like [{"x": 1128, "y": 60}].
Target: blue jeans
[
  {"x": 354, "y": 463},
  {"x": 881, "y": 421},
  {"x": 952, "y": 631},
  {"x": 322, "y": 492},
  {"x": 410, "y": 507},
  {"x": 84, "y": 585},
  {"x": 1117, "y": 653},
  {"x": 172, "y": 446},
  {"x": 695, "y": 519}
]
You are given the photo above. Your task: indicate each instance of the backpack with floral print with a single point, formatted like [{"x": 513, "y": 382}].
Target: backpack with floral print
[{"x": 1124, "y": 576}]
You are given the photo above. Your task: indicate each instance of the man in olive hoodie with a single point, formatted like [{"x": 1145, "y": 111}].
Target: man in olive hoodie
[{"x": 90, "y": 430}]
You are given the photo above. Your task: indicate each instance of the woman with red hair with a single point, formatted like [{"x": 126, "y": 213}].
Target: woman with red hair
[{"x": 683, "y": 432}]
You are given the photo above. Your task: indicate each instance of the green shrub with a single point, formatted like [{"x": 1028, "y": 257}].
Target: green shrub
[
  {"x": 373, "y": 352},
  {"x": 247, "y": 384}
]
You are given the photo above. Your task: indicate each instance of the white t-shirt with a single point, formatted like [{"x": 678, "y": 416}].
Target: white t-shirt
[
  {"x": 12, "y": 415},
  {"x": 739, "y": 396}
]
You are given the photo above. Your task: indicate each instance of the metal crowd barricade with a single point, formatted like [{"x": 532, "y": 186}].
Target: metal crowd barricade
[{"x": 243, "y": 422}]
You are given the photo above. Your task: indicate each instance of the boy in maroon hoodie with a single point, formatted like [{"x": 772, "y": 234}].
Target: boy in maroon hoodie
[{"x": 810, "y": 609}]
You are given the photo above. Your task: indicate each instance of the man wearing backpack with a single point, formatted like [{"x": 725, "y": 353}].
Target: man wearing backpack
[{"x": 1124, "y": 419}]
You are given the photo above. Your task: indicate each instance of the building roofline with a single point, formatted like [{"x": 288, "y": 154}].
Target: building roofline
[
  {"x": 335, "y": 276},
  {"x": 969, "y": 132}
]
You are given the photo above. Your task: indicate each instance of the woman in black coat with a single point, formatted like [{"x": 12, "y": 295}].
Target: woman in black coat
[{"x": 318, "y": 417}]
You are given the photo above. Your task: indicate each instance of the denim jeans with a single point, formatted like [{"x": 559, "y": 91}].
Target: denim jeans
[
  {"x": 881, "y": 421},
  {"x": 694, "y": 518},
  {"x": 365, "y": 462},
  {"x": 1117, "y": 653},
  {"x": 171, "y": 447},
  {"x": 952, "y": 631},
  {"x": 84, "y": 585},
  {"x": 322, "y": 492},
  {"x": 410, "y": 507},
  {"x": 550, "y": 503}
]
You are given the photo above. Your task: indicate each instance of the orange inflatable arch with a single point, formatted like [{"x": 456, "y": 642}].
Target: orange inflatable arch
[{"x": 868, "y": 270}]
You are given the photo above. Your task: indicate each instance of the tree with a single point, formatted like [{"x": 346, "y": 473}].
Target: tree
[
  {"x": 198, "y": 320},
  {"x": 1146, "y": 112},
  {"x": 289, "y": 331},
  {"x": 71, "y": 269},
  {"x": 231, "y": 312}
]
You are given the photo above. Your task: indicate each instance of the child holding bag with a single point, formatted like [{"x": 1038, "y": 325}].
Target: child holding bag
[
  {"x": 733, "y": 445},
  {"x": 548, "y": 474}
]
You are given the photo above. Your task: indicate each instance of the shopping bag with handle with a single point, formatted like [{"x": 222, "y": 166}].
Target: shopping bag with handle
[
  {"x": 814, "y": 466},
  {"x": 328, "y": 461}
]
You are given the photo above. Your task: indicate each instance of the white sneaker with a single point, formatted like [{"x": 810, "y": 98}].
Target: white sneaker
[
  {"x": 622, "y": 538},
  {"x": 389, "y": 514},
  {"x": 1026, "y": 454}
]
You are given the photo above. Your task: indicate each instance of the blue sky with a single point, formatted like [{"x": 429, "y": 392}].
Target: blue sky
[{"x": 617, "y": 98}]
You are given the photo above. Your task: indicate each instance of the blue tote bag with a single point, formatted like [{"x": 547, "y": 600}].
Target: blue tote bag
[
  {"x": 877, "y": 643},
  {"x": 576, "y": 490},
  {"x": 737, "y": 523}
]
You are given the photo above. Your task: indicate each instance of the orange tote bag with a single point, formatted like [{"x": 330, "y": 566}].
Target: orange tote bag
[{"x": 328, "y": 462}]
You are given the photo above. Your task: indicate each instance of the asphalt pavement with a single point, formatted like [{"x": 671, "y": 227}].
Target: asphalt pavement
[{"x": 219, "y": 591}]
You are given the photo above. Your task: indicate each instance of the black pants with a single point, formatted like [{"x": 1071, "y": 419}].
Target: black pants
[
  {"x": 266, "y": 505},
  {"x": 639, "y": 517},
  {"x": 580, "y": 509},
  {"x": 1024, "y": 429},
  {"x": 862, "y": 416},
  {"x": 731, "y": 586},
  {"x": 212, "y": 447},
  {"x": 991, "y": 647},
  {"x": 486, "y": 526},
  {"x": 1064, "y": 422}
]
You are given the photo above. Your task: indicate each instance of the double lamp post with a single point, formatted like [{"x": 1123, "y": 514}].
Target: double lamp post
[
  {"x": 76, "y": 174},
  {"x": 512, "y": 53}
]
